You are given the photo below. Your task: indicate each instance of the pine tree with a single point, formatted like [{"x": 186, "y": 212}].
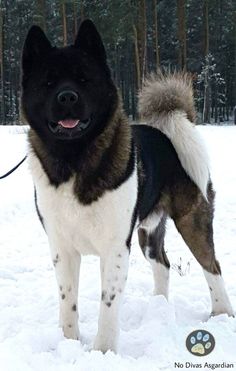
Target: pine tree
[
  {"x": 181, "y": 34},
  {"x": 136, "y": 35}
]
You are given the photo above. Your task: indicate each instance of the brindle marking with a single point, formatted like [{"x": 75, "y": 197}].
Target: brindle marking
[{"x": 193, "y": 217}]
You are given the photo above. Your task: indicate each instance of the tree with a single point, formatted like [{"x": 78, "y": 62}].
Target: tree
[
  {"x": 2, "y": 112},
  {"x": 140, "y": 41},
  {"x": 156, "y": 46},
  {"x": 234, "y": 72},
  {"x": 217, "y": 85},
  {"x": 134, "y": 32},
  {"x": 207, "y": 92},
  {"x": 40, "y": 17},
  {"x": 64, "y": 23},
  {"x": 181, "y": 34}
]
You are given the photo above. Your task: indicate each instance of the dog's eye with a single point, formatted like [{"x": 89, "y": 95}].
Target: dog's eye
[{"x": 49, "y": 83}]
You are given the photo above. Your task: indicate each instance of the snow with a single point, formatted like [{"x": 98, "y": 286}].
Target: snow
[{"x": 153, "y": 332}]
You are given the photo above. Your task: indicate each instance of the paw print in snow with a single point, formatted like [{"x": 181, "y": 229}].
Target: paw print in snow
[{"x": 200, "y": 343}]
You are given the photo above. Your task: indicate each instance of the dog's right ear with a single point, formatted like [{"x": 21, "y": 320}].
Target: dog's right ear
[
  {"x": 89, "y": 40},
  {"x": 35, "y": 46}
]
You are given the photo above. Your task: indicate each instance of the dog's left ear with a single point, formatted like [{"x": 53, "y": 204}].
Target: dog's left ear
[{"x": 89, "y": 40}]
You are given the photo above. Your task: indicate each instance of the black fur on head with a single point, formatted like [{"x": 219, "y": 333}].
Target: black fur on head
[{"x": 68, "y": 95}]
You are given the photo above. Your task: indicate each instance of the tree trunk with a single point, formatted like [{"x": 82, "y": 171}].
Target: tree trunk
[
  {"x": 156, "y": 47},
  {"x": 234, "y": 66},
  {"x": 207, "y": 98},
  {"x": 142, "y": 36},
  {"x": 140, "y": 42},
  {"x": 75, "y": 11},
  {"x": 181, "y": 34},
  {"x": 42, "y": 14},
  {"x": 137, "y": 59},
  {"x": 64, "y": 25},
  {"x": 206, "y": 27},
  {"x": 82, "y": 10},
  {"x": 2, "y": 116}
]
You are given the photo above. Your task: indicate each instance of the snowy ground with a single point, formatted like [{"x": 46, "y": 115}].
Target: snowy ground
[{"x": 153, "y": 332}]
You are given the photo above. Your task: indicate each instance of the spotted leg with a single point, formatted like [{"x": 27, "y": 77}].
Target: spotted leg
[
  {"x": 114, "y": 269},
  {"x": 67, "y": 273}
]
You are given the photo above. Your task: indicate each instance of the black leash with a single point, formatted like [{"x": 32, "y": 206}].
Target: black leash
[{"x": 14, "y": 168}]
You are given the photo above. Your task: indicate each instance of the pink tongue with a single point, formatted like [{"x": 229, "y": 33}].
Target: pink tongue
[{"x": 68, "y": 123}]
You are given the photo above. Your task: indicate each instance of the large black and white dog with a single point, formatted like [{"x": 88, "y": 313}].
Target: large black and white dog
[{"x": 96, "y": 177}]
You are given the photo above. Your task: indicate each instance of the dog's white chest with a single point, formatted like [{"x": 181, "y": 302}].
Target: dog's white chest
[{"x": 91, "y": 228}]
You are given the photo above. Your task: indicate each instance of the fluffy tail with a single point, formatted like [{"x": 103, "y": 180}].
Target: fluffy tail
[{"x": 166, "y": 103}]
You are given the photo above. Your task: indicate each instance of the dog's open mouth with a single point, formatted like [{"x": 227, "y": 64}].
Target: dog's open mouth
[
  {"x": 69, "y": 127},
  {"x": 69, "y": 124}
]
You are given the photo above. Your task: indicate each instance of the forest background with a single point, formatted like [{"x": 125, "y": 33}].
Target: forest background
[{"x": 198, "y": 36}]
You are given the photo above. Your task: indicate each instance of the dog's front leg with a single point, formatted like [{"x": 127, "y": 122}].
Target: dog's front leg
[
  {"x": 67, "y": 266},
  {"x": 114, "y": 269}
]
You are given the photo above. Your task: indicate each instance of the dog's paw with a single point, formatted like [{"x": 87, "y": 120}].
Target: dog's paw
[
  {"x": 71, "y": 332},
  {"x": 201, "y": 343},
  {"x": 104, "y": 345},
  {"x": 228, "y": 311}
]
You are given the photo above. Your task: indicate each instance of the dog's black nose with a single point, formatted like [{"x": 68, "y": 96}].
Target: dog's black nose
[{"x": 67, "y": 97}]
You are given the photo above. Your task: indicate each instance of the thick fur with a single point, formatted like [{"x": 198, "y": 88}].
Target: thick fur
[
  {"x": 109, "y": 159},
  {"x": 96, "y": 180},
  {"x": 166, "y": 103},
  {"x": 163, "y": 94}
]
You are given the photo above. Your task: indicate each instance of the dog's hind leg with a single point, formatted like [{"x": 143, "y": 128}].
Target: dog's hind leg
[
  {"x": 197, "y": 231},
  {"x": 152, "y": 244},
  {"x": 114, "y": 268}
]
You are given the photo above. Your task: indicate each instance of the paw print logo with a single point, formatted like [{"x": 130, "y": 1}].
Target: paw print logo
[{"x": 200, "y": 342}]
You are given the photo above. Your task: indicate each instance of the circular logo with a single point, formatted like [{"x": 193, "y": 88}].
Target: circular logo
[{"x": 200, "y": 343}]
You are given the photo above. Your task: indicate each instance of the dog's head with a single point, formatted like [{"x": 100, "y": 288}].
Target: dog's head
[{"x": 67, "y": 93}]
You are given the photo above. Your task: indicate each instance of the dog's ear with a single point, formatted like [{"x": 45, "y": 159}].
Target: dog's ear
[
  {"x": 89, "y": 40},
  {"x": 36, "y": 45}
]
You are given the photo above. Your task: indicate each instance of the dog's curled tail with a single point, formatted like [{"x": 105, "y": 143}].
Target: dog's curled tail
[{"x": 166, "y": 103}]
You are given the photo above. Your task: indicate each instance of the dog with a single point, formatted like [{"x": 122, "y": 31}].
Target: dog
[{"x": 97, "y": 177}]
